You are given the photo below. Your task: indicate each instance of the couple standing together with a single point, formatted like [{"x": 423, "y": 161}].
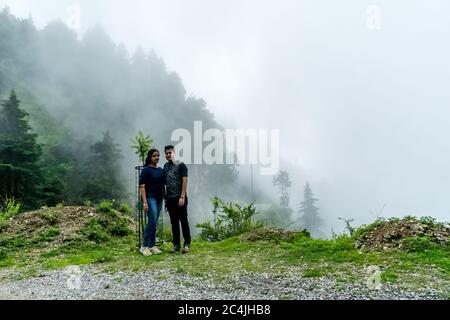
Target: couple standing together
[{"x": 169, "y": 184}]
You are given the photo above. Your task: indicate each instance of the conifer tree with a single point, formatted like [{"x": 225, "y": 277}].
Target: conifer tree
[
  {"x": 20, "y": 153},
  {"x": 309, "y": 212},
  {"x": 283, "y": 182},
  {"x": 102, "y": 171}
]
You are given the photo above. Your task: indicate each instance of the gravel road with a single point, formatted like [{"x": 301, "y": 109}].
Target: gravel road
[{"x": 89, "y": 283}]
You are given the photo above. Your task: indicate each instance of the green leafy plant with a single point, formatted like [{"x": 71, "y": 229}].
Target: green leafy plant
[
  {"x": 229, "y": 220},
  {"x": 108, "y": 222},
  {"x": 51, "y": 216},
  {"x": 94, "y": 231},
  {"x": 125, "y": 208},
  {"x": 417, "y": 244},
  {"x": 105, "y": 206},
  {"x": 3, "y": 254},
  {"x": 119, "y": 229},
  {"x": 10, "y": 209},
  {"x": 47, "y": 235},
  {"x": 360, "y": 232},
  {"x": 142, "y": 145}
]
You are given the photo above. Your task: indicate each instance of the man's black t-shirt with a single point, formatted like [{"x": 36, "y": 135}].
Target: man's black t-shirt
[
  {"x": 153, "y": 178},
  {"x": 173, "y": 174}
]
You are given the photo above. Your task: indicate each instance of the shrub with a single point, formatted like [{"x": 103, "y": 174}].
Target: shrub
[
  {"x": 414, "y": 244},
  {"x": 230, "y": 219},
  {"x": 163, "y": 230},
  {"x": 3, "y": 224},
  {"x": 119, "y": 229},
  {"x": 108, "y": 222},
  {"x": 105, "y": 206},
  {"x": 47, "y": 235},
  {"x": 87, "y": 203},
  {"x": 211, "y": 232},
  {"x": 14, "y": 242},
  {"x": 3, "y": 254},
  {"x": 360, "y": 232},
  {"x": 51, "y": 216},
  {"x": 124, "y": 208},
  {"x": 93, "y": 231},
  {"x": 164, "y": 234},
  {"x": 9, "y": 209}
]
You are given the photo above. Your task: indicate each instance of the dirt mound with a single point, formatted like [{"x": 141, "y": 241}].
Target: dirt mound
[
  {"x": 269, "y": 234},
  {"x": 408, "y": 233},
  {"x": 68, "y": 219},
  {"x": 53, "y": 226}
]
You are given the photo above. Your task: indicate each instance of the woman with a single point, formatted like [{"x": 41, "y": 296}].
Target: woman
[{"x": 151, "y": 185}]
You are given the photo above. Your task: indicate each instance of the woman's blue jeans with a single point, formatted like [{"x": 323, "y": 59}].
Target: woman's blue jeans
[{"x": 154, "y": 210}]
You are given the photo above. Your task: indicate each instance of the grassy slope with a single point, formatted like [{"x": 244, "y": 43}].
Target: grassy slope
[{"x": 308, "y": 257}]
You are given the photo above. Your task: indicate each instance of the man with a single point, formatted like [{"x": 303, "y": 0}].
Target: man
[{"x": 176, "y": 180}]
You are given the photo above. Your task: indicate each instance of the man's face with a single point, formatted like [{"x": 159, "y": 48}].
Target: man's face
[{"x": 170, "y": 154}]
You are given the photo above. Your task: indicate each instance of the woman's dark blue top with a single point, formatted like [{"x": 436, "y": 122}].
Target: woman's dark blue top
[{"x": 153, "y": 178}]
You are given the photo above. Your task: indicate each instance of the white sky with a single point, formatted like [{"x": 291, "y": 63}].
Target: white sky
[{"x": 363, "y": 114}]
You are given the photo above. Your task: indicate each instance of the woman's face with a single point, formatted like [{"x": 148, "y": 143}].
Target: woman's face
[{"x": 155, "y": 158}]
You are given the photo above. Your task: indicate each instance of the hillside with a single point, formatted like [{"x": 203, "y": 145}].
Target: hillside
[
  {"x": 40, "y": 250},
  {"x": 76, "y": 89}
]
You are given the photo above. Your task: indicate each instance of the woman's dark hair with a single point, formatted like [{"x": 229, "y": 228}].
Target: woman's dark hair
[{"x": 148, "y": 160}]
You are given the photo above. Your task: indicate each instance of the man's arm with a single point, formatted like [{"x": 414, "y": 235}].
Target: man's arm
[
  {"x": 184, "y": 182},
  {"x": 184, "y": 187},
  {"x": 183, "y": 191}
]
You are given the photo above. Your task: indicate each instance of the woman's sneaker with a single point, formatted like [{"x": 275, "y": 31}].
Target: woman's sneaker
[
  {"x": 155, "y": 250},
  {"x": 146, "y": 251}
]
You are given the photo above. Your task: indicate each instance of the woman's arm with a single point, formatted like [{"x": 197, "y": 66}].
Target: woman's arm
[{"x": 143, "y": 196}]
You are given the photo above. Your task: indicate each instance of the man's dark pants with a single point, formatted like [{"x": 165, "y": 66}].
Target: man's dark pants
[{"x": 179, "y": 215}]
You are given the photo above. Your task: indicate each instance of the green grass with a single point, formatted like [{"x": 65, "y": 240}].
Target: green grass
[
  {"x": 225, "y": 256},
  {"x": 389, "y": 276},
  {"x": 314, "y": 273},
  {"x": 100, "y": 244}
]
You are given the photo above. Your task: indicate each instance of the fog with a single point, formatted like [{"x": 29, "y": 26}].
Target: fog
[{"x": 363, "y": 114}]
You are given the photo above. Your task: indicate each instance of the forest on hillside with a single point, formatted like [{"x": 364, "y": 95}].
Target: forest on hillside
[
  {"x": 70, "y": 107},
  {"x": 84, "y": 99}
]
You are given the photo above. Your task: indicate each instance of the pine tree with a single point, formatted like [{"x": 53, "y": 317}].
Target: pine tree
[
  {"x": 20, "y": 153},
  {"x": 283, "y": 182},
  {"x": 310, "y": 218},
  {"x": 102, "y": 171}
]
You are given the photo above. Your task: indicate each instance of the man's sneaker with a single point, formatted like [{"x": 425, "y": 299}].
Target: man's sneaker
[
  {"x": 155, "y": 250},
  {"x": 146, "y": 251},
  {"x": 174, "y": 250},
  {"x": 186, "y": 249}
]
